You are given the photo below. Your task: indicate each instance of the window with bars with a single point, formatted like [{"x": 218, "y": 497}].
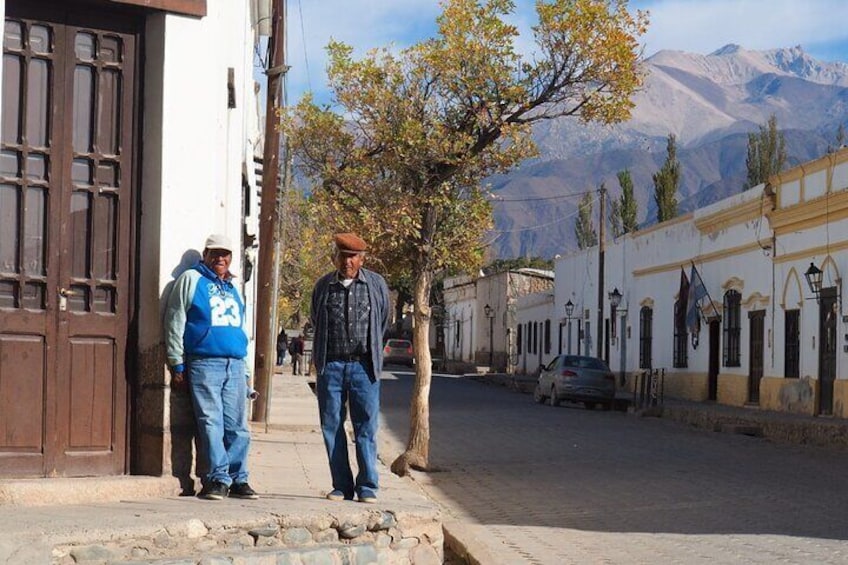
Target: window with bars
[
  {"x": 732, "y": 328},
  {"x": 646, "y": 322},
  {"x": 792, "y": 344},
  {"x": 547, "y": 337},
  {"x": 681, "y": 350}
]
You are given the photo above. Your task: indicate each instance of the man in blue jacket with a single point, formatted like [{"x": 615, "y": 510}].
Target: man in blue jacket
[
  {"x": 206, "y": 345},
  {"x": 350, "y": 312}
]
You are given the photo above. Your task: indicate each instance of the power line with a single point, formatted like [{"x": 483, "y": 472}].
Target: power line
[
  {"x": 547, "y": 224},
  {"x": 499, "y": 200},
  {"x": 305, "y": 50}
]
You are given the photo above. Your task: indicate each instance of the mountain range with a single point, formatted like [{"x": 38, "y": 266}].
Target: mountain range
[{"x": 709, "y": 102}]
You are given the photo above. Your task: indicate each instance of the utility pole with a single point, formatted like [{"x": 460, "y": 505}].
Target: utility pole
[
  {"x": 269, "y": 221},
  {"x": 601, "y": 250}
]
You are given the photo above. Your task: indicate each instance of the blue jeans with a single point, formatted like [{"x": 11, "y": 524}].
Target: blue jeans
[
  {"x": 219, "y": 395},
  {"x": 341, "y": 383}
]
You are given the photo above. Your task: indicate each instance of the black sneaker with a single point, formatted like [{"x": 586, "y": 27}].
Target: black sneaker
[
  {"x": 367, "y": 496},
  {"x": 243, "y": 490},
  {"x": 214, "y": 491}
]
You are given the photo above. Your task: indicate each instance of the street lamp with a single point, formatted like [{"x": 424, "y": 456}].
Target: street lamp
[
  {"x": 490, "y": 313},
  {"x": 615, "y": 300},
  {"x": 569, "y": 310},
  {"x": 814, "y": 279}
]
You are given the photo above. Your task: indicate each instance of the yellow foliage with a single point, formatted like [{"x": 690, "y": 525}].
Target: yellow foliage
[{"x": 402, "y": 155}]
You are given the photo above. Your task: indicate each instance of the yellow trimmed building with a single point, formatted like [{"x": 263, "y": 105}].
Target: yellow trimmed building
[{"x": 768, "y": 328}]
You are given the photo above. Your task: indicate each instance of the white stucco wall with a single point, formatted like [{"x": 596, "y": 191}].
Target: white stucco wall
[
  {"x": 460, "y": 298},
  {"x": 490, "y": 333},
  {"x": 823, "y": 244},
  {"x": 734, "y": 246},
  {"x": 576, "y": 279},
  {"x": 193, "y": 145},
  {"x": 202, "y": 139},
  {"x": 645, "y": 268},
  {"x": 534, "y": 310}
]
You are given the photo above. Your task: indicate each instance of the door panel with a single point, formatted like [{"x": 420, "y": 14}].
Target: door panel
[
  {"x": 756, "y": 349},
  {"x": 713, "y": 362},
  {"x": 21, "y": 427},
  {"x": 66, "y": 203},
  {"x": 828, "y": 311}
]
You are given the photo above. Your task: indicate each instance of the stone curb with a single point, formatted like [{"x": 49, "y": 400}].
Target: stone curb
[
  {"x": 777, "y": 427},
  {"x": 463, "y": 544}
]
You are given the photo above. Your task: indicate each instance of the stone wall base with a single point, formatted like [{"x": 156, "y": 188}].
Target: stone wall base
[{"x": 369, "y": 537}]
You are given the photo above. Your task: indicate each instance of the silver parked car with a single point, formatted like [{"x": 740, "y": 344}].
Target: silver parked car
[
  {"x": 576, "y": 378},
  {"x": 399, "y": 351}
]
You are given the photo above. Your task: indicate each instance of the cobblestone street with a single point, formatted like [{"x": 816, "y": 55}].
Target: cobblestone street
[{"x": 536, "y": 484}]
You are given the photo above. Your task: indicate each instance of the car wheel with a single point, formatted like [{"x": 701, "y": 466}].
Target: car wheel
[
  {"x": 537, "y": 394},
  {"x": 589, "y": 405},
  {"x": 553, "y": 400}
]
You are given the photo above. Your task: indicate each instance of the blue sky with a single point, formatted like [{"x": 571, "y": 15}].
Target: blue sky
[{"x": 695, "y": 26}]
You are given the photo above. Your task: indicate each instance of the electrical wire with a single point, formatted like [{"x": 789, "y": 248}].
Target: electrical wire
[
  {"x": 303, "y": 40},
  {"x": 547, "y": 224},
  {"x": 500, "y": 200}
]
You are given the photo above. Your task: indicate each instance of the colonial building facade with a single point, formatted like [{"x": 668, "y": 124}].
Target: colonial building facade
[
  {"x": 757, "y": 332},
  {"x": 128, "y": 134}
]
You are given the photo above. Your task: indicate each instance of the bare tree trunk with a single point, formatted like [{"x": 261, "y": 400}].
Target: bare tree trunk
[{"x": 417, "y": 454}]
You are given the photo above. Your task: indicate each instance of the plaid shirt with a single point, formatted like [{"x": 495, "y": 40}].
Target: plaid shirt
[{"x": 347, "y": 319}]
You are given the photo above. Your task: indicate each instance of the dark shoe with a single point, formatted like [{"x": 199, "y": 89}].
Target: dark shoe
[
  {"x": 214, "y": 491},
  {"x": 367, "y": 496},
  {"x": 243, "y": 490},
  {"x": 337, "y": 495}
]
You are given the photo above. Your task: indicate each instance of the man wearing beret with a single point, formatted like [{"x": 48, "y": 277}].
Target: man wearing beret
[
  {"x": 350, "y": 313},
  {"x": 205, "y": 340}
]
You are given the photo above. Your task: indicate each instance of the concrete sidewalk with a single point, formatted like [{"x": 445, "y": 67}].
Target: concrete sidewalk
[{"x": 288, "y": 466}]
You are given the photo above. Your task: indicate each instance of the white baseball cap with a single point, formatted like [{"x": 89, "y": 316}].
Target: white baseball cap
[{"x": 219, "y": 241}]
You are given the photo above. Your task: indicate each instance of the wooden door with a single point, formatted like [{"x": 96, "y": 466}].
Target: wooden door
[
  {"x": 66, "y": 235},
  {"x": 713, "y": 361},
  {"x": 828, "y": 310},
  {"x": 756, "y": 322}
]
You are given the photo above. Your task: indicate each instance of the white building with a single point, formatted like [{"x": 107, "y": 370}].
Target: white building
[
  {"x": 128, "y": 134},
  {"x": 480, "y": 315},
  {"x": 537, "y": 340},
  {"x": 764, "y": 339},
  {"x": 460, "y": 295}
]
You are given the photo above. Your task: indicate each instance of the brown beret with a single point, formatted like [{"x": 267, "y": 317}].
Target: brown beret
[{"x": 349, "y": 243}]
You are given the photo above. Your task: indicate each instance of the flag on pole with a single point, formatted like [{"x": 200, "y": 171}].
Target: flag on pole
[{"x": 697, "y": 291}]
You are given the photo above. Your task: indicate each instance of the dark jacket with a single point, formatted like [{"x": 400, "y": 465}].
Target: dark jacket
[{"x": 378, "y": 299}]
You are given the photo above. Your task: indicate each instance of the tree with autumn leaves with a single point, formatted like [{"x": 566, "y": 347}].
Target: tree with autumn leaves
[{"x": 402, "y": 155}]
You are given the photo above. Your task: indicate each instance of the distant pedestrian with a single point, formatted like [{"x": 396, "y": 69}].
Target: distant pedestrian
[
  {"x": 296, "y": 352},
  {"x": 350, "y": 312},
  {"x": 282, "y": 346},
  {"x": 206, "y": 348}
]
